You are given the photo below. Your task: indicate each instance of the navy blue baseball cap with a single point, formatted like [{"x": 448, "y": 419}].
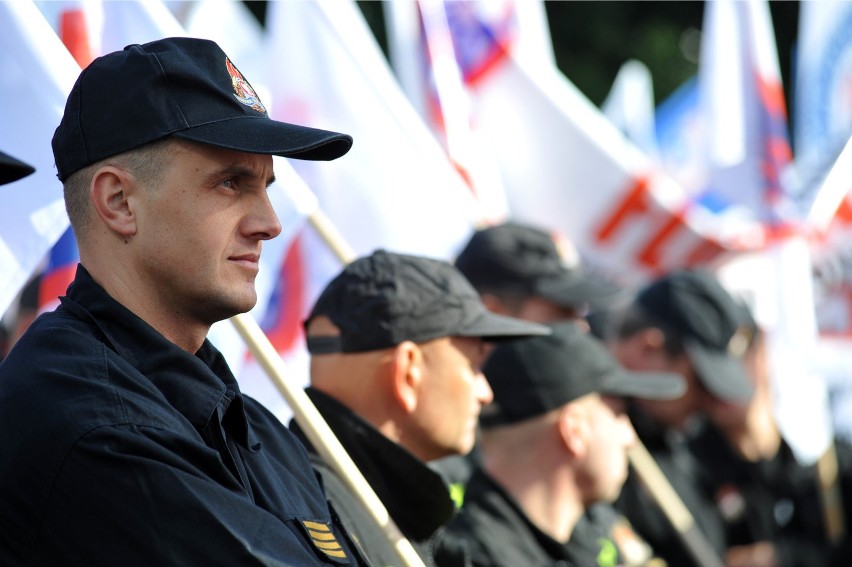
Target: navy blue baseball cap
[
  {"x": 711, "y": 325},
  {"x": 530, "y": 377},
  {"x": 518, "y": 258},
  {"x": 183, "y": 87},
  {"x": 379, "y": 301},
  {"x": 12, "y": 169}
]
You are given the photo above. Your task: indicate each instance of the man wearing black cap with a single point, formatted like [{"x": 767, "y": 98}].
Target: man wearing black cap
[
  {"x": 523, "y": 271},
  {"x": 553, "y": 442},
  {"x": 769, "y": 500},
  {"x": 126, "y": 440},
  {"x": 684, "y": 322},
  {"x": 396, "y": 343}
]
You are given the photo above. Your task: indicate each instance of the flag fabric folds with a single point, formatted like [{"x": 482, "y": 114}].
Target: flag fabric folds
[{"x": 36, "y": 75}]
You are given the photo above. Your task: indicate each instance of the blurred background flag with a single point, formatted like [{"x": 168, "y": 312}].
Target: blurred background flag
[
  {"x": 630, "y": 106},
  {"x": 741, "y": 98},
  {"x": 822, "y": 111},
  {"x": 36, "y": 75},
  {"x": 58, "y": 272},
  {"x": 746, "y": 148},
  {"x": 556, "y": 150},
  {"x": 422, "y": 51}
]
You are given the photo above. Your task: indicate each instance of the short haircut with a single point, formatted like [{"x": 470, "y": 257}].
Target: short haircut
[{"x": 145, "y": 163}]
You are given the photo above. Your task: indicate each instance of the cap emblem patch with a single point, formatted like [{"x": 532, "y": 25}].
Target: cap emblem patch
[{"x": 242, "y": 89}]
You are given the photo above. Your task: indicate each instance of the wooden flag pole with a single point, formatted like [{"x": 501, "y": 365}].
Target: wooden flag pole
[
  {"x": 831, "y": 499},
  {"x": 673, "y": 507}
]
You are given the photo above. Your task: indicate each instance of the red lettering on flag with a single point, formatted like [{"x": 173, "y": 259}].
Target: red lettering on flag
[
  {"x": 663, "y": 228},
  {"x": 633, "y": 204}
]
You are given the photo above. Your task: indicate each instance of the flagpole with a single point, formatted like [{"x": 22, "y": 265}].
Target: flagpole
[{"x": 308, "y": 417}]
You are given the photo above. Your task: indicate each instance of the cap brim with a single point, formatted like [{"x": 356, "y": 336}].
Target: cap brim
[
  {"x": 266, "y": 136},
  {"x": 571, "y": 289},
  {"x": 496, "y": 327},
  {"x": 721, "y": 374},
  {"x": 12, "y": 169},
  {"x": 644, "y": 385}
]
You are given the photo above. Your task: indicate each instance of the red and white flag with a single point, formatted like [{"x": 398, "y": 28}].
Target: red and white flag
[{"x": 566, "y": 167}]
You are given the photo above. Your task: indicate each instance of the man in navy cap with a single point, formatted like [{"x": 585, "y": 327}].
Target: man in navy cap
[
  {"x": 524, "y": 271},
  {"x": 683, "y": 322},
  {"x": 126, "y": 439},
  {"x": 554, "y": 442},
  {"x": 397, "y": 343}
]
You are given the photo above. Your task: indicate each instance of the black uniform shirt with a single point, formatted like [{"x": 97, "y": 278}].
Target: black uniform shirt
[
  {"x": 415, "y": 496},
  {"x": 773, "y": 500},
  {"x": 119, "y": 448},
  {"x": 497, "y": 533},
  {"x": 681, "y": 468}
]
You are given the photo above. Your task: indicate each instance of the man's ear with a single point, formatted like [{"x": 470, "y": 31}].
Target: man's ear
[
  {"x": 407, "y": 375},
  {"x": 573, "y": 428},
  {"x": 112, "y": 190}
]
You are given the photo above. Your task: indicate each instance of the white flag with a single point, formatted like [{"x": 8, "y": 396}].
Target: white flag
[
  {"x": 36, "y": 75},
  {"x": 823, "y": 108},
  {"x": 395, "y": 188}
]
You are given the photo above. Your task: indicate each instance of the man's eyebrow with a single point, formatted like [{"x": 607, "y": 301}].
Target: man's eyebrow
[{"x": 242, "y": 171}]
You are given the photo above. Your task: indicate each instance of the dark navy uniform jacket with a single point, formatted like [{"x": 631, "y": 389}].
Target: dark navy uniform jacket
[
  {"x": 119, "y": 448},
  {"x": 416, "y": 497}
]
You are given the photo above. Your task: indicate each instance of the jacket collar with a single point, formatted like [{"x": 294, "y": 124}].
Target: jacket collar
[
  {"x": 415, "y": 496},
  {"x": 194, "y": 385}
]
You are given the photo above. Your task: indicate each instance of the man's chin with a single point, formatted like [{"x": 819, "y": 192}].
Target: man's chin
[{"x": 226, "y": 309}]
